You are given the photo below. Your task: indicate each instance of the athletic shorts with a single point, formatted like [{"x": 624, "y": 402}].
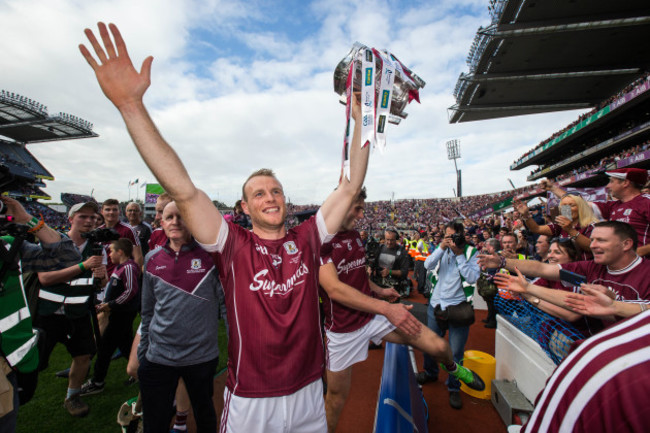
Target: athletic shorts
[
  {"x": 300, "y": 412},
  {"x": 75, "y": 334},
  {"x": 348, "y": 348}
]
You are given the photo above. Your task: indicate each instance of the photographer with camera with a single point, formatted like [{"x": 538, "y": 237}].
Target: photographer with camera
[
  {"x": 19, "y": 360},
  {"x": 391, "y": 265},
  {"x": 66, "y": 303},
  {"x": 448, "y": 307}
]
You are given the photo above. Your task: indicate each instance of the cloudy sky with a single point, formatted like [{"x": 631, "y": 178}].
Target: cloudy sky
[{"x": 237, "y": 86}]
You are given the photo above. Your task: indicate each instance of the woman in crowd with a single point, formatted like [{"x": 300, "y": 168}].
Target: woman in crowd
[
  {"x": 578, "y": 228},
  {"x": 560, "y": 251}
]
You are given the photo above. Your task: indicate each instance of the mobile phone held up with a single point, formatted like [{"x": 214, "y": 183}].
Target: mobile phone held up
[
  {"x": 565, "y": 211},
  {"x": 572, "y": 278}
]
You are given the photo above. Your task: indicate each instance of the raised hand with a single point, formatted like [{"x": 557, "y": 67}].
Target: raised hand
[
  {"x": 516, "y": 284},
  {"x": 546, "y": 184},
  {"x": 593, "y": 302},
  {"x": 522, "y": 208},
  {"x": 117, "y": 77},
  {"x": 489, "y": 261},
  {"x": 15, "y": 209},
  {"x": 564, "y": 222}
]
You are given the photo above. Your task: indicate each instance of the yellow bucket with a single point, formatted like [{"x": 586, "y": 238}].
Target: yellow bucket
[{"x": 484, "y": 365}]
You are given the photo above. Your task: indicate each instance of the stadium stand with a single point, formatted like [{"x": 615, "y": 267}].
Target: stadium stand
[
  {"x": 24, "y": 121},
  {"x": 537, "y": 57}
]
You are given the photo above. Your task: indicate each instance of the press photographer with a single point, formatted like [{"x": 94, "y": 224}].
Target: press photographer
[
  {"x": 66, "y": 305},
  {"x": 19, "y": 360},
  {"x": 390, "y": 268},
  {"x": 448, "y": 307}
]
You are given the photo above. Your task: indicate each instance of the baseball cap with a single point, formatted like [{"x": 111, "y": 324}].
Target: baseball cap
[
  {"x": 636, "y": 175},
  {"x": 76, "y": 208}
]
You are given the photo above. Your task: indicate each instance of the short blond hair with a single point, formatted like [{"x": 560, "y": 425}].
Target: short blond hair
[{"x": 261, "y": 172}]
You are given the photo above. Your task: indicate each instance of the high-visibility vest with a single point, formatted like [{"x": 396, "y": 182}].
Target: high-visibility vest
[
  {"x": 76, "y": 296},
  {"x": 412, "y": 248},
  {"x": 421, "y": 255},
  {"x": 18, "y": 343}
]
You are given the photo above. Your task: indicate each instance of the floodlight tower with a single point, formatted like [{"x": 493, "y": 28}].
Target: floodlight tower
[{"x": 453, "y": 152}]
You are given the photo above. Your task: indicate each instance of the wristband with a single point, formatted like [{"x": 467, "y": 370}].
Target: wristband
[
  {"x": 82, "y": 267},
  {"x": 643, "y": 307},
  {"x": 32, "y": 222},
  {"x": 390, "y": 272},
  {"x": 574, "y": 237},
  {"x": 38, "y": 226}
]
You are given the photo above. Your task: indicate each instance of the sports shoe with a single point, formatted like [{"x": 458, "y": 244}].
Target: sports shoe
[
  {"x": 63, "y": 373},
  {"x": 424, "y": 377},
  {"x": 90, "y": 388},
  {"x": 76, "y": 406},
  {"x": 454, "y": 400},
  {"x": 117, "y": 355},
  {"x": 468, "y": 377}
]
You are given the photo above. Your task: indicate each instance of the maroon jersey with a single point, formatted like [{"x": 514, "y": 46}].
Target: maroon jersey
[
  {"x": 125, "y": 231},
  {"x": 124, "y": 286},
  {"x": 157, "y": 239},
  {"x": 558, "y": 232},
  {"x": 602, "y": 386},
  {"x": 635, "y": 212},
  {"x": 275, "y": 345},
  {"x": 630, "y": 284},
  {"x": 347, "y": 254}
]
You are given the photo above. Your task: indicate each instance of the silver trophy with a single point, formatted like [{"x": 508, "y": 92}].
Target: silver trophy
[{"x": 405, "y": 87}]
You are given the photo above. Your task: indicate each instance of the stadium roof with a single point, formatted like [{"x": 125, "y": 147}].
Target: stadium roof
[
  {"x": 548, "y": 56},
  {"x": 27, "y": 121}
]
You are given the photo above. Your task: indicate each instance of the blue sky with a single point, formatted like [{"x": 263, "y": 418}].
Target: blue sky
[{"x": 240, "y": 85}]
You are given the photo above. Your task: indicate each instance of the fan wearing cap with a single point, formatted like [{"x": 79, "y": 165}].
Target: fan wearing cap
[
  {"x": 630, "y": 206},
  {"x": 64, "y": 305}
]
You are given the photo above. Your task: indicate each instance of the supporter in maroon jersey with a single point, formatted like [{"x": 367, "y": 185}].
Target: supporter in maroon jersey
[
  {"x": 577, "y": 228},
  {"x": 111, "y": 214},
  {"x": 269, "y": 274},
  {"x": 616, "y": 269},
  {"x": 141, "y": 229},
  {"x": 630, "y": 206},
  {"x": 561, "y": 251},
  {"x": 354, "y": 317},
  {"x": 158, "y": 237},
  {"x": 602, "y": 386}
]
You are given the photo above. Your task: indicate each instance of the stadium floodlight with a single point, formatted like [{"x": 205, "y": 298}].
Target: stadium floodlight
[
  {"x": 453, "y": 152},
  {"x": 453, "y": 149}
]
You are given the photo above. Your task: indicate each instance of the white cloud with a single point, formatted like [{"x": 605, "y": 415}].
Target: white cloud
[{"x": 235, "y": 113}]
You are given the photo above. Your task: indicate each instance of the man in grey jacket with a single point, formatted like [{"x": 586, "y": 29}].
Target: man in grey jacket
[{"x": 180, "y": 314}]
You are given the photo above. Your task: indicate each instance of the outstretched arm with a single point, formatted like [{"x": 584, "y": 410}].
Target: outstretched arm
[
  {"x": 549, "y": 185},
  {"x": 530, "y": 268},
  {"x": 594, "y": 302},
  {"x": 338, "y": 203},
  {"x": 530, "y": 223},
  {"x": 45, "y": 234},
  {"x": 397, "y": 314},
  {"x": 553, "y": 301},
  {"x": 125, "y": 87}
]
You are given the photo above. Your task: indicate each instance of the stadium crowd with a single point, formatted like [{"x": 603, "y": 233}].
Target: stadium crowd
[
  {"x": 603, "y": 104},
  {"x": 583, "y": 263}
]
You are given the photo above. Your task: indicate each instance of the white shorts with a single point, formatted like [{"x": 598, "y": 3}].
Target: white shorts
[
  {"x": 300, "y": 412},
  {"x": 348, "y": 348}
]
